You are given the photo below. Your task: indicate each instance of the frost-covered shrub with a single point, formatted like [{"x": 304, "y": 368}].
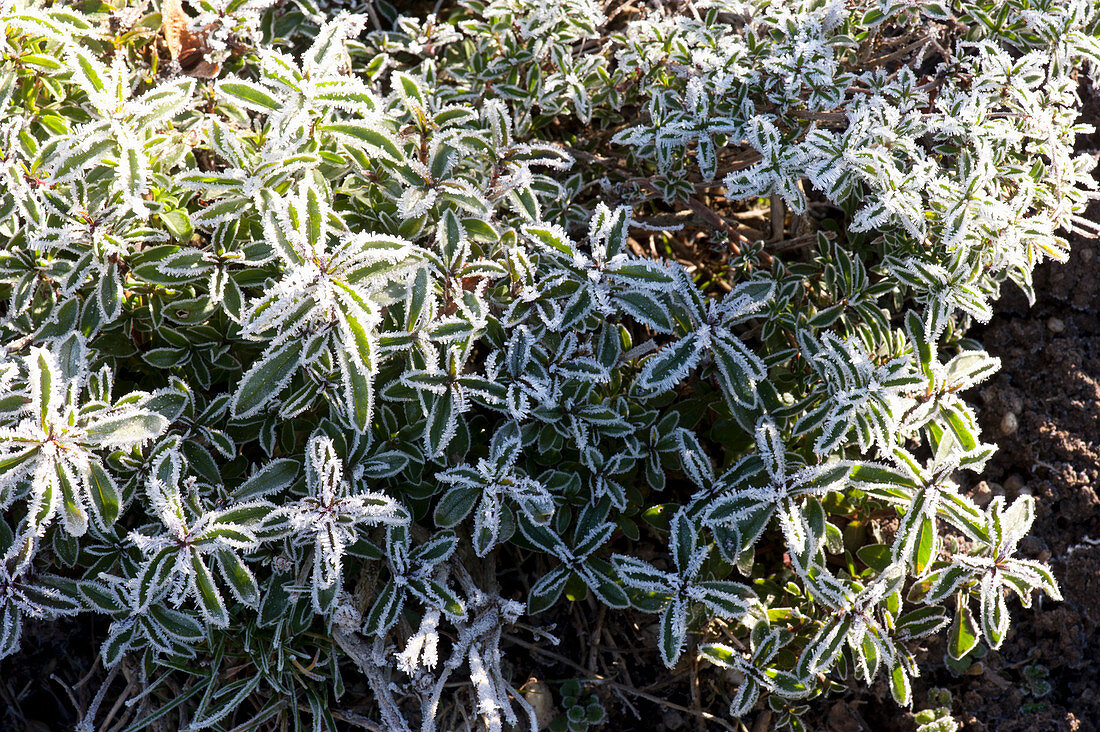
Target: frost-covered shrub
[{"x": 296, "y": 357}]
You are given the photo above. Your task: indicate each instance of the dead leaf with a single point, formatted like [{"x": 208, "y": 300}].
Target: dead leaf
[
  {"x": 187, "y": 48},
  {"x": 173, "y": 21}
]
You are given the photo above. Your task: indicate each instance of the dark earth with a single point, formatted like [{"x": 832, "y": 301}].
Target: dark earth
[{"x": 1050, "y": 382}]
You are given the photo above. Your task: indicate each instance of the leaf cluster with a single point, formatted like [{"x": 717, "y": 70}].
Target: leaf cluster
[{"x": 297, "y": 359}]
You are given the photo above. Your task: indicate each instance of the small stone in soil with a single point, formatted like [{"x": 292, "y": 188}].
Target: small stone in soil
[
  {"x": 1009, "y": 423},
  {"x": 1055, "y": 325},
  {"x": 982, "y": 494},
  {"x": 672, "y": 719},
  {"x": 538, "y": 695},
  {"x": 1015, "y": 485}
]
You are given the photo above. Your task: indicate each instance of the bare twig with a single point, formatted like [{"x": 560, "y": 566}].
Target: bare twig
[
  {"x": 373, "y": 16},
  {"x": 357, "y": 719},
  {"x": 87, "y": 677},
  {"x": 68, "y": 691},
  {"x": 87, "y": 720},
  {"x": 380, "y": 685},
  {"x": 796, "y": 243},
  {"x": 11, "y": 702},
  {"x": 621, "y": 663},
  {"x": 899, "y": 53},
  {"x": 545, "y": 652},
  {"x": 131, "y": 682},
  {"x": 696, "y": 696},
  {"x": 825, "y": 119},
  {"x": 699, "y": 713},
  {"x": 638, "y": 351},
  {"x": 778, "y": 216},
  {"x": 593, "y": 647}
]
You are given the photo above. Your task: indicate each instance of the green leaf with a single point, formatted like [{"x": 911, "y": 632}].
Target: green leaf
[
  {"x": 131, "y": 427},
  {"x": 455, "y": 505},
  {"x": 551, "y": 237},
  {"x": 366, "y": 134},
  {"x": 314, "y": 218},
  {"x": 104, "y": 492},
  {"x": 961, "y": 427},
  {"x": 683, "y": 540},
  {"x": 14, "y": 460},
  {"x": 822, "y": 650},
  {"x": 356, "y": 318},
  {"x": 646, "y": 309},
  {"x": 963, "y": 635},
  {"x": 178, "y": 223},
  {"x": 266, "y": 379},
  {"x": 643, "y": 273},
  {"x": 873, "y": 474},
  {"x": 228, "y": 698},
  {"x": 440, "y": 426},
  {"x": 100, "y": 597},
  {"x": 669, "y": 366},
  {"x": 673, "y": 632},
  {"x": 181, "y": 626},
  {"x": 739, "y": 368},
  {"x": 275, "y": 476},
  {"x": 116, "y": 644},
  {"x": 246, "y": 514},
  {"x": 356, "y": 369},
  {"x": 900, "y": 687},
  {"x": 383, "y": 614},
  {"x": 994, "y": 613},
  {"x": 439, "y": 596},
  {"x": 547, "y": 590},
  {"x": 149, "y": 720},
  {"x": 153, "y": 579},
  {"x": 209, "y": 597},
  {"x": 109, "y": 293},
  {"x": 74, "y": 514},
  {"x": 91, "y": 70},
  {"x": 130, "y": 171},
  {"x": 927, "y": 540},
  {"x": 239, "y": 577},
  {"x": 44, "y": 391},
  {"x": 166, "y": 358},
  {"x": 875, "y": 556},
  {"x": 84, "y": 156},
  {"x": 721, "y": 655},
  {"x": 923, "y": 348},
  {"x": 249, "y": 95},
  {"x": 921, "y": 622},
  {"x": 408, "y": 88}
]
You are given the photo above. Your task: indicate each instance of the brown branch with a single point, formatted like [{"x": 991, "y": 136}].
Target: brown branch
[
  {"x": 894, "y": 55},
  {"x": 357, "y": 719}
]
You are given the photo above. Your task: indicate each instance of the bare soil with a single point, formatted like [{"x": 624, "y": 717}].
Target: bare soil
[{"x": 1050, "y": 384}]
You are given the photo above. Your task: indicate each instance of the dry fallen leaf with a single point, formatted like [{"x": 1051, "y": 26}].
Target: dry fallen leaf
[
  {"x": 187, "y": 48},
  {"x": 173, "y": 21}
]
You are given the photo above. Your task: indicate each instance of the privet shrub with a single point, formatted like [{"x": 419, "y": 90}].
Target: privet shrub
[{"x": 314, "y": 321}]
